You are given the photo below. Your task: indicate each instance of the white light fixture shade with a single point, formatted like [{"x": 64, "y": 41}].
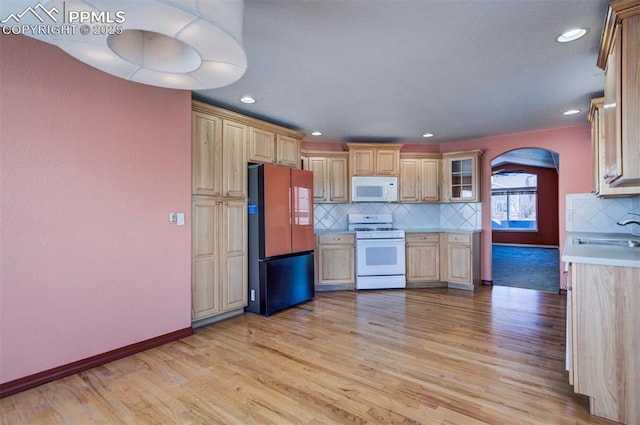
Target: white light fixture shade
[
  {"x": 572, "y": 35},
  {"x": 183, "y": 44}
]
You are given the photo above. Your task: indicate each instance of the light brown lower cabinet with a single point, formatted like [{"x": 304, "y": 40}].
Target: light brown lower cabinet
[
  {"x": 219, "y": 282},
  {"x": 335, "y": 267},
  {"x": 432, "y": 260},
  {"x": 423, "y": 260},
  {"x": 460, "y": 260},
  {"x": 603, "y": 339}
]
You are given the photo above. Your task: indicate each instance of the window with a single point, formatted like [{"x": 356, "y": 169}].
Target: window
[{"x": 514, "y": 201}]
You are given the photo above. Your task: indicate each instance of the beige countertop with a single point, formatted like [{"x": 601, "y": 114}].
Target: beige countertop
[
  {"x": 418, "y": 230},
  {"x": 622, "y": 256}
]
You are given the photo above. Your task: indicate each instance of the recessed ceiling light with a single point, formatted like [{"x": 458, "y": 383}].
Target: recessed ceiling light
[
  {"x": 316, "y": 133},
  {"x": 571, "y": 112},
  {"x": 571, "y": 35},
  {"x": 427, "y": 135},
  {"x": 247, "y": 99}
]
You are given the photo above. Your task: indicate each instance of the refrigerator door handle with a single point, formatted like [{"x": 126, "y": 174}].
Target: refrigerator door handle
[{"x": 290, "y": 210}]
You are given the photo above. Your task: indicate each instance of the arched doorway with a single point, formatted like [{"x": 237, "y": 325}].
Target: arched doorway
[{"x": 524, "y": 219}]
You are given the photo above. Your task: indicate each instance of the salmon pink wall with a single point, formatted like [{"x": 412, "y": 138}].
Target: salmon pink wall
[
  {"x": 576, "y": 166},
  {"x": 91, "y": 167}
]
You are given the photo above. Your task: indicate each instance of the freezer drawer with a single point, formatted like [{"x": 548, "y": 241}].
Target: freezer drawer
[{"x": 282, "y": 283}]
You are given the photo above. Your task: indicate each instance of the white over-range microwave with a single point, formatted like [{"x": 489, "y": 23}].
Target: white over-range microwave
[{"x": 374, "y": 189}]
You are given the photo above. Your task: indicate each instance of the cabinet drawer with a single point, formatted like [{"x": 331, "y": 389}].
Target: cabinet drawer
[
  {"x": 337, "y": 238},
  {"x": 459, "y": 237},
  {"x": 422, "y": 237}
]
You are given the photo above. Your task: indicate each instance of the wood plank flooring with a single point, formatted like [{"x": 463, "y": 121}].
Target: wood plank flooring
[{"x": 420, "y": 356}]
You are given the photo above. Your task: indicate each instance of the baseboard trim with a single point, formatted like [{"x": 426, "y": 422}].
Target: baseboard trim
[
  {"x": 31, "y": 381},
  {"x": 524, "y": 245},
  {"x": 487, "y": 282}
]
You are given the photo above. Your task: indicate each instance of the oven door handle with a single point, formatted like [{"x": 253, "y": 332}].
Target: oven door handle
[{"x": 380, "y": 242}]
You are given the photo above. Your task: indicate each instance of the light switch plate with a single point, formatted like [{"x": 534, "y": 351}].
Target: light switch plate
[{"x": 180, "y": 219}]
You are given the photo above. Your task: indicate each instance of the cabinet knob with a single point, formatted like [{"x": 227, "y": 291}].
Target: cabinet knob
[
  {"x": 337, "y": 239},
  {"x": 606, "y": 176}
]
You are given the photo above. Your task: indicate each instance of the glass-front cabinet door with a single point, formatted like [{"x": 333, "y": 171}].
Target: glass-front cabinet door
[{"x": 461, "y": 175}]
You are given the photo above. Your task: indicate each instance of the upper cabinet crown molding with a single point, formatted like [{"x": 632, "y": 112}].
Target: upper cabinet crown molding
[
  {"x": 616, "y": 12},
  {"x": 198, "y": 106}
]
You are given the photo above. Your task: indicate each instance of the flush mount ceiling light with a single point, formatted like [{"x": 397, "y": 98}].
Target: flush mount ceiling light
[
  {"x": 427, "y": 135},
  {"x": 572, "y": 35},
  {"x": 182, "y": 44},
  {"x": 316, "y": 133},
  {"x": 247, "y": 99},
  {"x": 571, "y": 112}
]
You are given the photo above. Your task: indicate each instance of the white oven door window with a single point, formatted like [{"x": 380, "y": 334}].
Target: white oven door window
[{"x": 380, "y": 257}]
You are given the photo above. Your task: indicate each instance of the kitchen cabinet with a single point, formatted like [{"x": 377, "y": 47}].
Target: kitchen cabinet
[
  {"x": 223, "y": 142},
  {"x": 423, "y": 260},
  {"x": 600, "y": 187},
  {"x": 262, "y": 146},
  {"x": 268, "y": 147},
  {"x": 460, "y": 260},
  {"x": 219, "y": 160},
  {"x": 461, "y": 176},
  {"x": 219, "y": 256},
  {"x": 336, "y": 261},
  {"x": 603, "y": 327},
  {"x": 287, "y": 151},
  {"x": 619, "y": 57},
  {"x": 373, "y": 159},
  {"x": 419, "y": 178},
  {"x": 330, "y": 175}
]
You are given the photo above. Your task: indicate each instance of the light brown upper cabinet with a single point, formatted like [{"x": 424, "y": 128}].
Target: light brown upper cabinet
[
  {"x": 619, "y": 57},
  {"x": 330, "y": 175},
  {"x": 461, "y": 176},
  {"x": 262, "y": 146},
  {"x": 373, "y": 159},
  {"x": 219, "y": 160},
  {"x": 419, "y": 177},
  {"x": 600, "y": 187},
  {"x": 287, "y": 151}
]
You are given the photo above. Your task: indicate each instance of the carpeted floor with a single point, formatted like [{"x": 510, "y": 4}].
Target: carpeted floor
[{"x": 526, "y": 267}]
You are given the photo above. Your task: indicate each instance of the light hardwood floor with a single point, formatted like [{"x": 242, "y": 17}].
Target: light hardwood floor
[{"x": 420, "y": 356}]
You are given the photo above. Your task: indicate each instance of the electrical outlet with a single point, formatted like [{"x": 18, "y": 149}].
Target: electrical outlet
[{"x": 253, "y": 295}]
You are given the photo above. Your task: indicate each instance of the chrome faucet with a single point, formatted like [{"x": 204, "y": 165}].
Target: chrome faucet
[{"x": 626, "y": 222}]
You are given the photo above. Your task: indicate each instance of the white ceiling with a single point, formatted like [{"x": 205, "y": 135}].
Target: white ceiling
[{"x": 391, "y": 70}]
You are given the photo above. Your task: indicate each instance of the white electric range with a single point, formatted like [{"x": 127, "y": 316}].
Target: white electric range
[{"x": 380, "y": 251}]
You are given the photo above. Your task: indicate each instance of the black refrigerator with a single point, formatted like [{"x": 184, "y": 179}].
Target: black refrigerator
[{"x": 281, "y": 239}]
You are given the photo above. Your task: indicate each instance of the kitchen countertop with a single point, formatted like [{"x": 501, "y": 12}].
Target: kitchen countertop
[
  {"x": 420, "y": 230},
  {"x": 621, "y": 256},
  {"x": 440, "y": 230}
]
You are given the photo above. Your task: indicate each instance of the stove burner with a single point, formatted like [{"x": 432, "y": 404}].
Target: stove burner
[
  {"x": 363, "y": 229},
  {"x": 386, "y": 229}
]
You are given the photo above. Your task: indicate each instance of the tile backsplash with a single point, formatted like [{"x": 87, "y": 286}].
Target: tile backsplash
[
  {"x": 587, "y": 213},
  {"x": 463, "y": 216}
]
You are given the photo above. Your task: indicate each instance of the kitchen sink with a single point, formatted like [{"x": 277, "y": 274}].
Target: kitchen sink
[{"x": 608, "y": 242}]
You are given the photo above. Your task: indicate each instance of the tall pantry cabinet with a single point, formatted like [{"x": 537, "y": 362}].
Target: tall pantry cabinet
[{"x": 219, "y": 214}]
